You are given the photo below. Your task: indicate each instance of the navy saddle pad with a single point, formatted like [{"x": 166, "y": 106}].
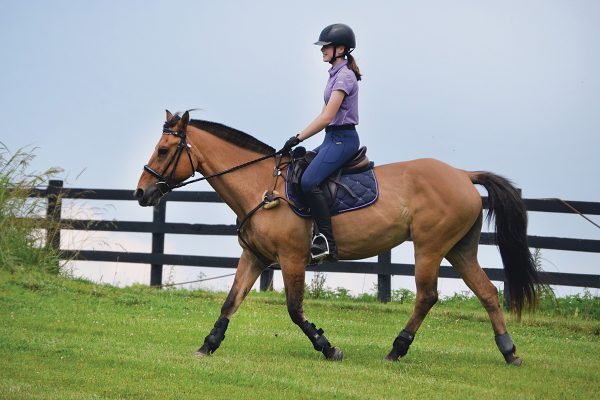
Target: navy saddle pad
[{"x": 352, "y": 191}]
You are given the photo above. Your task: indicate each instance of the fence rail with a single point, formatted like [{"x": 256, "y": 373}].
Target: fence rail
[{"x": 383, "y": 267}]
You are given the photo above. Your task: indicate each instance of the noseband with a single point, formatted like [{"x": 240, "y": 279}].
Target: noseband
[{"x": 163, "y": 182}]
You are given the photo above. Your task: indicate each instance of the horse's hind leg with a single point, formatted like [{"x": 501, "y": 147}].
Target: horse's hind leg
[
  {"x": 248, "y": 270},
  {"x": 293, "y": 271},
  {"x": 463, "y": 258},
  {"x": 426, "y": 275}
]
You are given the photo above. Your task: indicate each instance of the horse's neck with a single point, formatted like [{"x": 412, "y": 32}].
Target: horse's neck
[{"x": 241, "y": 190}]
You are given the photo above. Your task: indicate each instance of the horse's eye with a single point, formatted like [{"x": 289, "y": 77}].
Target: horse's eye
[{"x": 162, "y": 151}]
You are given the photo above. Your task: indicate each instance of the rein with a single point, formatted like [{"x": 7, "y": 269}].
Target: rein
[
  {"x": 164, "y": 187},
  {"x": 226, "y": 171}
]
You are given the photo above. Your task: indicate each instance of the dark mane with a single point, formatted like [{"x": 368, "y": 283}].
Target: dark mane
[
  {"x": 226, "y": 133},
  {"x": 233, "y": 136}
]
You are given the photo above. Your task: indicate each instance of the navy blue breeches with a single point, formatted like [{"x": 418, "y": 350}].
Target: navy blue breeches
[{"x": 337, "y": 148}]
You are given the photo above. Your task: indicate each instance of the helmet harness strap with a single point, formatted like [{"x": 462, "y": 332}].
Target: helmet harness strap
[{"x": 335, "y": 56}]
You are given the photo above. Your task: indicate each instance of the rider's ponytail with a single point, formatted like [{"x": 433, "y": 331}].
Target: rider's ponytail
[{"x": 353, "y": 67}]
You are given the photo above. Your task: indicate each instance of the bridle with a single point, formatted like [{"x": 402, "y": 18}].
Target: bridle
[{"x": 163, "y": 184}]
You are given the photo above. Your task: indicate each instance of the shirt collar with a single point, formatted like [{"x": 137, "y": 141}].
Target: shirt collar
[{"x": 334, "y": 70}]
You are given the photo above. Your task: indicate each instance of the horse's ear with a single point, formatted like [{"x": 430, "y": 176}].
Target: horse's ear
[
  {"x": 185, "y": 119},
  {"x": 169, "y": 115}
]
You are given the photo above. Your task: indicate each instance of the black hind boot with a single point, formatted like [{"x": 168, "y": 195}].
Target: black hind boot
[{"x": 323, "y": 245}]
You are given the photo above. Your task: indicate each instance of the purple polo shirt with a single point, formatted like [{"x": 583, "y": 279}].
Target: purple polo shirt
[{"x": 342, "y": 78}]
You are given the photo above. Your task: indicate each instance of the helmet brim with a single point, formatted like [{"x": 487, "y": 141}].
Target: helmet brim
[{"x": 320, "y": 43}]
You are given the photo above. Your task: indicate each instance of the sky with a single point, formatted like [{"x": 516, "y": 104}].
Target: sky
[{"x": 511, "y": 87}]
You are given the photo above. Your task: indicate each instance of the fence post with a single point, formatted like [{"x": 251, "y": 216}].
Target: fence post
[
  {"x": 158, "y": 242},
  {"x": 53, "y": 214},
  {"x": 384, "y": 281},
  {"x": 266, "y": 280}
]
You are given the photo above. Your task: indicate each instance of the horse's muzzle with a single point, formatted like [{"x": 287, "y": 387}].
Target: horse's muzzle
[{"x": 147, "y": 198}]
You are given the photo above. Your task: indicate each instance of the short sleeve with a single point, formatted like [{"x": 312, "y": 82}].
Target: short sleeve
[{"x": 345, "y": 82}]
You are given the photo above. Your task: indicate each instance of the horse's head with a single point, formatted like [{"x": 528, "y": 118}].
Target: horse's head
[{"x": 171, "y": 163}]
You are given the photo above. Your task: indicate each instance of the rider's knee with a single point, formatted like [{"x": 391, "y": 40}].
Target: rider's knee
[{"x": 308, "y": 184}]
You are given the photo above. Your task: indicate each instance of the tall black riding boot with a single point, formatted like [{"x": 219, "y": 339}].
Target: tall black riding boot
[{"x": 323, "y": 245}]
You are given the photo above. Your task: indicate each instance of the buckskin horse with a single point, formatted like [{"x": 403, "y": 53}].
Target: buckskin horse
[{"x": 435, "y": 205}]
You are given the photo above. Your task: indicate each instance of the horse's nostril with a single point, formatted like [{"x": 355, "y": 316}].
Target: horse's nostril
[{"x": 139, "y": 193}]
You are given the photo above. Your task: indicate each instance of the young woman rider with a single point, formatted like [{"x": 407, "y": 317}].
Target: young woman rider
[{"x": 339, "y": 118}]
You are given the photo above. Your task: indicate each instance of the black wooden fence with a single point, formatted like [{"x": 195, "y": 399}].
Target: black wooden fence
[{"x": 383, "y": 267}]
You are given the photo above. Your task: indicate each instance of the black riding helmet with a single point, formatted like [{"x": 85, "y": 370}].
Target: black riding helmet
[{"x": 338, "y": 34}]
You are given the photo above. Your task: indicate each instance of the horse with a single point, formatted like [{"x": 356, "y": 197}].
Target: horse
[{"x": 434, "y": 204}]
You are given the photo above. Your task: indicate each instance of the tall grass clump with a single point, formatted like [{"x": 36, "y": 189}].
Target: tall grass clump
[{"x": 22, "y": 230}]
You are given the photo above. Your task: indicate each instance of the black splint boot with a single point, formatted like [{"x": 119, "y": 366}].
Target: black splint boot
[{"x": 323, "y": 245}]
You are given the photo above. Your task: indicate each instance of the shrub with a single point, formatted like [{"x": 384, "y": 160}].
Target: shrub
[
  {"x": 403, "y": 296},
  {"x": 316, "y": 289},
  {"x": 22, "y": 231}
]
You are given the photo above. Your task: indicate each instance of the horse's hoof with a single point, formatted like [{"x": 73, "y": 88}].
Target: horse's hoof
[
  {"x": 201, "y": 352},
  {"x": 335, "y": 354},
  {"x": 517, "y": 361},
  {"x": 511, "y": 359},
  {"x": 392, "y": 356}
]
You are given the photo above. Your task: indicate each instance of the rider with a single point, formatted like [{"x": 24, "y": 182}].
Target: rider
[{"x": 339, "y": 117}]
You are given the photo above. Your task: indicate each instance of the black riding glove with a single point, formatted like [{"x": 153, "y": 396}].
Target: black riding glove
[{"x": 291, "y": 142}]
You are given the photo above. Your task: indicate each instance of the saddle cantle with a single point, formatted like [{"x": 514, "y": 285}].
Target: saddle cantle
[{"x": 351, "y": 187}]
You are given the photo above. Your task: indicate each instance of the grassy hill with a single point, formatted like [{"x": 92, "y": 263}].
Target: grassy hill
[{"x": 70, "y": 339}]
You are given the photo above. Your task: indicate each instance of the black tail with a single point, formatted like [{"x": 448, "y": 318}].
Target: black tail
[{"x": 510, "y": 214}]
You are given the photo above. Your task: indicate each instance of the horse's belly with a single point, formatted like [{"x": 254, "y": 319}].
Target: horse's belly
[{"x": 369, "y": 231}]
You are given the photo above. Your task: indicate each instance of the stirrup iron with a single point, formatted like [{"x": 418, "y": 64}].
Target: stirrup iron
[{"x": 316, "y": 252}]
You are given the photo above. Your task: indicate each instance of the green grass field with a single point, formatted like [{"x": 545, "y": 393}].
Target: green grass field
[{"x": 70, "y": 339}]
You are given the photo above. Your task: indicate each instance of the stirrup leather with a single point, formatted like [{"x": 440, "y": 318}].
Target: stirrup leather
[{"x": 319, "y": 252}]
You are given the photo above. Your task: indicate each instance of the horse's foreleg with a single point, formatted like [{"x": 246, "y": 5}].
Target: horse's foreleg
[
  {"x": 426, "y": 274},
  {"x": 293, "y": 279},
  {"x": 248, "y": 270}
]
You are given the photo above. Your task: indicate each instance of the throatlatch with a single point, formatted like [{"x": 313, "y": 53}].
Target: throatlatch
[
  {"x": 215, "y": 337},
  {"x": 316, "y": 337},
  {"x": 401, "y": 344}
]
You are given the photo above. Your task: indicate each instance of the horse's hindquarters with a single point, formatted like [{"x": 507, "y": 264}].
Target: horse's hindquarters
[{"x": 429, "y": 200}]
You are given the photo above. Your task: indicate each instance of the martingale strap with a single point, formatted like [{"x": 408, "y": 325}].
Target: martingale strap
[
  {"x": 240, "y": 226},
  {"x": 268, "y": 197}
]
